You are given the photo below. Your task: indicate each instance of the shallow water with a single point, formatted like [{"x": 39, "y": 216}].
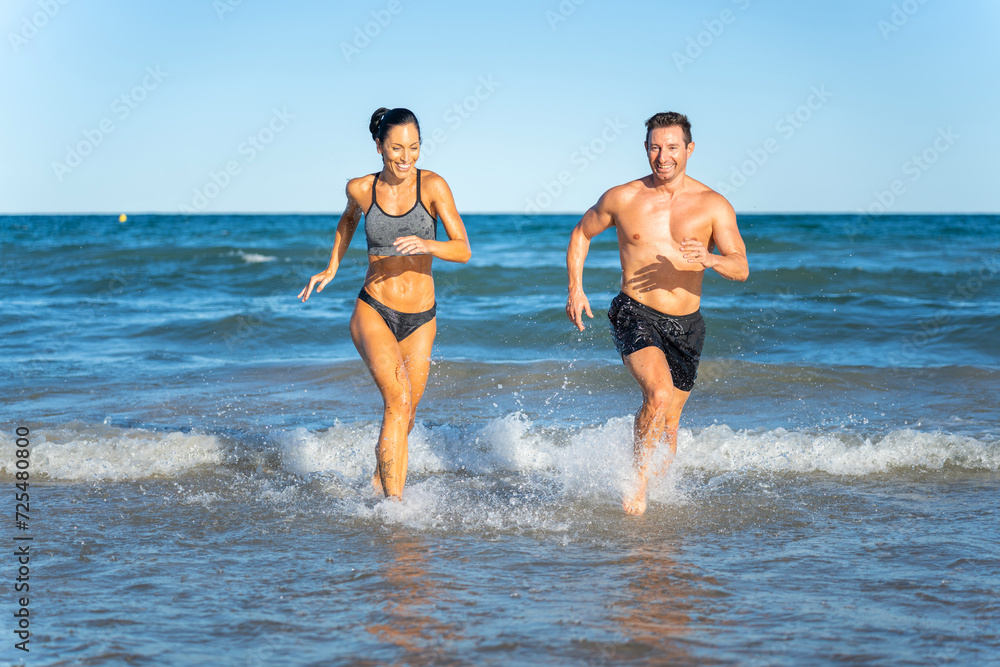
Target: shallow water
[{"x": 201, "y": 445}]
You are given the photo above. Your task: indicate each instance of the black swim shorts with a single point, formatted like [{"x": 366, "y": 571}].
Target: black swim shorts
[{"x": 635, "y": 326}]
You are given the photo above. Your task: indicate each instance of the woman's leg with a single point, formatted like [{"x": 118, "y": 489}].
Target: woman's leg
[
  {"x": 416, "y": 349},
  {"x": 381, "y": 352}
]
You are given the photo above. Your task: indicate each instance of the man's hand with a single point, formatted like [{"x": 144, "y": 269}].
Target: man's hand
[
  {"x": 695, "y": 252},
  {"x": 576, "y": 304}
]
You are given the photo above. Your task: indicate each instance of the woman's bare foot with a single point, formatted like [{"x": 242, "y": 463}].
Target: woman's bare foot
[{"x": 634, "y": 503}]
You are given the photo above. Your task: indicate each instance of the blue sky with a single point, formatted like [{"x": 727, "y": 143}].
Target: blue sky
[{"x": 256, "y": 106}]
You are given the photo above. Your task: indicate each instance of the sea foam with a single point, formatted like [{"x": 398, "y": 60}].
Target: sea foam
[
  {"x": 255, "y": 258},
  {"x": 580, "y": 460},
  {"x": 719, "y": 448},
  {"x": 601, "y": 456},
  {"x": 94, "y": 453}
]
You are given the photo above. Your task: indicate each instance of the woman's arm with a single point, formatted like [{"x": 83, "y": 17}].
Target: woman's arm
[
  {"x": 456, "y": 248},
  {"x": 345, "y": 232}
]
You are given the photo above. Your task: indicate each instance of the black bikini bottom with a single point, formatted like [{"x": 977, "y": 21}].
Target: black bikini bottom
[{"x": 400, "y": 324}]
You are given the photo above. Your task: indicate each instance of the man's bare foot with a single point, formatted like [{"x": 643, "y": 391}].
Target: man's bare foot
[{"x": 634, "y": 503}]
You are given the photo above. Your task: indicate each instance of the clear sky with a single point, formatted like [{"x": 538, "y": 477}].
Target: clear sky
[{"x": 263, "y": 106}]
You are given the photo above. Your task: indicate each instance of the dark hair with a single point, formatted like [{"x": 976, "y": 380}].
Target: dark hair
[
  {"x": 669, "y": 119},
  {"x": 384, "y": 118}
]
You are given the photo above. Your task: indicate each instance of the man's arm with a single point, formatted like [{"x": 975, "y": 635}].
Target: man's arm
[
  {"x": 731, "y": 263},
  {"x": 597, "y": 219}
]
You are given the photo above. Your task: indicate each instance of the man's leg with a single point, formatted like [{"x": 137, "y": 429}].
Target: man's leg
[{"x": 657, "y": 420}]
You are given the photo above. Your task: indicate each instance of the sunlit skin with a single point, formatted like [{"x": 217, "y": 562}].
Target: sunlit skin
[
  {"x": 404, "y": 283},
  {"x": 667, "y": 225}
]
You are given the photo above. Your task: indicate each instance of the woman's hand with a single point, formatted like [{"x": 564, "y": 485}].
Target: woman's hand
[
  {"x": 319, "y": 281},
  {"x": 412, "y": 245}
]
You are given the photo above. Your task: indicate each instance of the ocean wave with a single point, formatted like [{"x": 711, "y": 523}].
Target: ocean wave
[
  {"x": 95, "y": 453},
  {"x": 588, "y": 460},
  {"x": 721, "y": 449},
  {"x": 253, "y": 257},
  {"x": 601, "y": 455}
]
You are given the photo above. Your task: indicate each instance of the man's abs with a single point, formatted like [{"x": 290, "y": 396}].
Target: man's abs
[{"x": 659, "y": 284}]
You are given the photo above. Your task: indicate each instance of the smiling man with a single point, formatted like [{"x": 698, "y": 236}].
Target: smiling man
[{"x": 667, "y": 225}]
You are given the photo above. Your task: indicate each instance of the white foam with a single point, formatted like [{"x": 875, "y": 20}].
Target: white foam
[
  {"x": 92, "y": 453},
  {"x": 255, "y": 258},
  {"x": 419, "y": 508},
  {"x": 338, "y": 449},
  {"x": 515, "y": 446},
  {"x": 434, "y": 504},
  {"x": 598, "y": 460},
  {"x": 205, "y": 498},
  {"x": 509, "y": 471},
  {"x": 589, "y": 462},
  {"x": 719, "y": 448},
  {"x": 348, "y": 450}
]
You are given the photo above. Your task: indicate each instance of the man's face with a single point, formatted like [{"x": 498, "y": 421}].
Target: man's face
[{"x": 667, "y": 153}]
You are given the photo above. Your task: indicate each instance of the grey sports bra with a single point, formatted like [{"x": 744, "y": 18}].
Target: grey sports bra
[{"x": 382, "y": 229}]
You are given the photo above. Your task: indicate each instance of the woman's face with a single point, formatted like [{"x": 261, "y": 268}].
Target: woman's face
[{"x": 400, "y": 149}]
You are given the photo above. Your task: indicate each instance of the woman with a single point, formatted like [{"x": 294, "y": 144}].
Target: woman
[{"x": 393, "y": 324}]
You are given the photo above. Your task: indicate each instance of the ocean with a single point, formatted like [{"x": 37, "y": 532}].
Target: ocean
[{"x": 196, "y": 446}]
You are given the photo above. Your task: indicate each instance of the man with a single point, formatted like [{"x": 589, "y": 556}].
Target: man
[{"x": 667, "y": 225}]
